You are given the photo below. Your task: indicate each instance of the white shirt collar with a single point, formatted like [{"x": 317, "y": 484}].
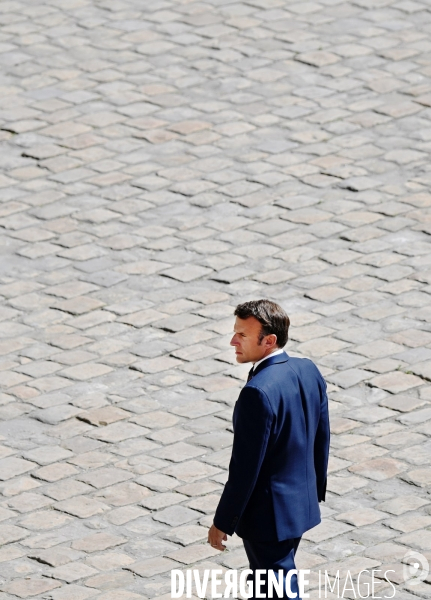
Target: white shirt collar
[{"x": 279, "y": 351}]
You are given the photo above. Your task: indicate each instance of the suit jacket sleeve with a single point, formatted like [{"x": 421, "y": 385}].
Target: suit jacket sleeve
[
  {"x": 253, "y": 418},
  {"x": 321, "y": 444}
]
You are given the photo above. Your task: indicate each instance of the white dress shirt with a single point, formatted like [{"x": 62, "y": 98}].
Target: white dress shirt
[{"x": 278, "y": 351}]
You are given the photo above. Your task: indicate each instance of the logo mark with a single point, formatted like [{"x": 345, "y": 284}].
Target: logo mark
[{"x": 415, "y": 568}]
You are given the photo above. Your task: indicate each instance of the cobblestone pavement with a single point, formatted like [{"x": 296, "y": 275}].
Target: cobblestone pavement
[{"x": 161, "y": 164}]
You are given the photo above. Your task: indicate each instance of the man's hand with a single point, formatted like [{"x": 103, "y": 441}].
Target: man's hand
[{"x": 215, "y": 537}]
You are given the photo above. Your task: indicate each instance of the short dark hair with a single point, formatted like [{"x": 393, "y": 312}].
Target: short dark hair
[{"x": 272, "y": 317}]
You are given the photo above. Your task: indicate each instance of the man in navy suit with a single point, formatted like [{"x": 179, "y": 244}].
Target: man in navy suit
[{"x": 278, "y": 468}]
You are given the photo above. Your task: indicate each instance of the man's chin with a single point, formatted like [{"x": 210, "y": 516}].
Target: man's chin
[{"x": 240, "y": 358}]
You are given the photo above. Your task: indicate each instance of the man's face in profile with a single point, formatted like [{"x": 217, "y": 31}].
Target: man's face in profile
[{"x": 246, "y": 340}]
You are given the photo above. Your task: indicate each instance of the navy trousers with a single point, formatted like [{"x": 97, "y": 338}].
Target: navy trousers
[{"x": 273, "y": 556}]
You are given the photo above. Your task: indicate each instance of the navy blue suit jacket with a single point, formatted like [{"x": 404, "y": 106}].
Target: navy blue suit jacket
[{"x": 277, "y": 472}]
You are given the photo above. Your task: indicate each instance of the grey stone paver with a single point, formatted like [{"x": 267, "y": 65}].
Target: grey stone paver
[{"x": 160, "y": 164}]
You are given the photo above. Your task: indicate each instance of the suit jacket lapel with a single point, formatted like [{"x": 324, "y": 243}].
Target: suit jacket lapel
[{"x": 272, "y": 360}]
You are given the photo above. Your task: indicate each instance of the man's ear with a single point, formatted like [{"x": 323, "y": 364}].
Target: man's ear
[{"x": 271, "y": 339}]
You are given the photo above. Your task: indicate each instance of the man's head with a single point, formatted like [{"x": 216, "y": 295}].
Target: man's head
[{"x": 261, "y": 327}]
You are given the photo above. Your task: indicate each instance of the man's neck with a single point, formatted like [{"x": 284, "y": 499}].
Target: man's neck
[{"x": 276, "y": 351}]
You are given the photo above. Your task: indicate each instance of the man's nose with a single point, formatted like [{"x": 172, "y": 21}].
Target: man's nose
[{"x": 234, "y": 341}]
